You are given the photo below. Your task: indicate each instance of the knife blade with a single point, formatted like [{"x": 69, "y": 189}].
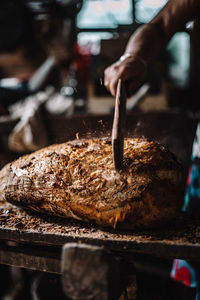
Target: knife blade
[{"x": 119, "y": 126}]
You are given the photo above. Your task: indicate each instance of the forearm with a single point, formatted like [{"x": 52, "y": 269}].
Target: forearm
[
  {"x": 150, "y": 39},
  {"x": 147, "y": 42}
]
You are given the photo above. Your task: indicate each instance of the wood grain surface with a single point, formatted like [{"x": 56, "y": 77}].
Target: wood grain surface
[{"x": 180, "y": 239}]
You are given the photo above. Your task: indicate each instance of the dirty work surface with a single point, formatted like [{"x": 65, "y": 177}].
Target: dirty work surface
[{"x": 180, "y": 238}]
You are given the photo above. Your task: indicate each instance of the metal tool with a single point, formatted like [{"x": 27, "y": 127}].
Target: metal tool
[{"x": 118, "y": 126}]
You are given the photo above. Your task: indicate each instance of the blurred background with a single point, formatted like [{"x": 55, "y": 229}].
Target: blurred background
[
  {"x": 53, "y": 54},
  {"x": 81, "y": 38}
]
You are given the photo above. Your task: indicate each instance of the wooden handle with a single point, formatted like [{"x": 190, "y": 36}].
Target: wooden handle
[{"x": 118, "y": 126}]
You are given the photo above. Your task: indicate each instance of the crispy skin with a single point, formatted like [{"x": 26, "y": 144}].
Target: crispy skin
[{"x": 77, "y": 179}]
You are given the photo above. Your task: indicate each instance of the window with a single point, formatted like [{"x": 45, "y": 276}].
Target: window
[
  {"x": 105, "y": 14},
  {"x": 145, "y": 10},
  {"x": 179, "y": 49}
]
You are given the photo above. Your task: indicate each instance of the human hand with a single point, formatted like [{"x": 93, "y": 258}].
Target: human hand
[{"x": 131, "y": 69}]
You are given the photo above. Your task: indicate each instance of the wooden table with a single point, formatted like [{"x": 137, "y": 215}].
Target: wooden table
[{"x": 44, "y": 243}]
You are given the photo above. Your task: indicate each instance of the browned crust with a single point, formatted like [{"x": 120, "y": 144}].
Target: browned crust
[{"x": 77, "y": 179}]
